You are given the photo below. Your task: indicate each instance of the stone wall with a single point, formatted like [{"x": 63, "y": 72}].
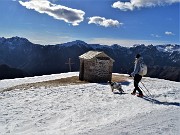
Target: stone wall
[{"x": 97, "y": 70}]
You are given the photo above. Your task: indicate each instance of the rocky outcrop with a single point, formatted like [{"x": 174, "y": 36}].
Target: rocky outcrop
[{"x": 7, "y": 72}]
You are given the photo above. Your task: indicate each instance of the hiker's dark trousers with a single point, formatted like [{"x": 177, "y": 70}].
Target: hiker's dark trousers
[{"x": 137, "y": 79}]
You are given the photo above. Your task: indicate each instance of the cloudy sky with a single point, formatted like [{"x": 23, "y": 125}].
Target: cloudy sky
[{"x": 123, "y": 22}]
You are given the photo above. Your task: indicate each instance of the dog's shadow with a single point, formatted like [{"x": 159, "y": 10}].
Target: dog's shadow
[
  {"x": 119, "y": 93},
  {"x": 125, "y": 83},
  {"x": 122, "y": 83}
]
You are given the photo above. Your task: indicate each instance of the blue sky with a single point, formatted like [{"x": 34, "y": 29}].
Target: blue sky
[{"x": 123, "y": 22}]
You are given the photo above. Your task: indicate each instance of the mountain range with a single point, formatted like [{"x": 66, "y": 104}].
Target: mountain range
[{"x": 34, "y": 59}]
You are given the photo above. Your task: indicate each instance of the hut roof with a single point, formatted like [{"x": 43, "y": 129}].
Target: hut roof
[{"x": 91, "y": 54}]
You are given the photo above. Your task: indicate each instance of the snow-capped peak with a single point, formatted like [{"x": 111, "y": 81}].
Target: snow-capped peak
[{"x": 168, "y": 48}]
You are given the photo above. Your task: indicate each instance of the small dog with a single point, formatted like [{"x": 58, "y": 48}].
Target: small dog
[{"x": 115, "y": 85}]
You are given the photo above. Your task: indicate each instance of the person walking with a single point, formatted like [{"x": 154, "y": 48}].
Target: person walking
[{"x": 137, "y": 75}]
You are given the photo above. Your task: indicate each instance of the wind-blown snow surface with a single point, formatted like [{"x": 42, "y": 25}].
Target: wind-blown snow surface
[{"x": 89, "y": 109}]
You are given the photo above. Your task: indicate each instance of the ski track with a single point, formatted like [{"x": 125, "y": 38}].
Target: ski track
[{"x": 89, "y": 109}]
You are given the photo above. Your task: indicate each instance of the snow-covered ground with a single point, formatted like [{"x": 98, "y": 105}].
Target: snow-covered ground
[{"x": 89, "y": 109}]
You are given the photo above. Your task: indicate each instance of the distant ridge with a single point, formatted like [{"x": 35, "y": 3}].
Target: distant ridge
[{"x": 14, "y": 40}]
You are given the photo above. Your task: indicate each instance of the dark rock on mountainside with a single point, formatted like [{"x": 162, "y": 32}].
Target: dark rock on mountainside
[
  {"x": 10, "y": 73},
  {"x": 37, "y": 59},
  {"x": 168, "y": 73}
]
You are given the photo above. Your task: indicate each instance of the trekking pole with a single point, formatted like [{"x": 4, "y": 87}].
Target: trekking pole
[{"x": 146, "y": 89}]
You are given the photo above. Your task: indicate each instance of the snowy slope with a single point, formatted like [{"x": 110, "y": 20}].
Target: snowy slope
[{"x": 88, "y": 109}]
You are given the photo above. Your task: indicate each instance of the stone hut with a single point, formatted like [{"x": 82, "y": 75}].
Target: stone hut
[{"x": 95, "y": 67}]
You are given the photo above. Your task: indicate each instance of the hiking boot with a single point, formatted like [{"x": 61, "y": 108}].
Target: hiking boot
[
  {"x": 140, "y": 95},
  {"x": 133, "y": 93}
]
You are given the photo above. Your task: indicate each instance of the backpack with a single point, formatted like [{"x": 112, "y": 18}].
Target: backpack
[{"x": 143, "y": 69}]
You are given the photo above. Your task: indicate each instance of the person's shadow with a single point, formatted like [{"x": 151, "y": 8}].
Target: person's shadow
[{"x": 159, "y": 102}]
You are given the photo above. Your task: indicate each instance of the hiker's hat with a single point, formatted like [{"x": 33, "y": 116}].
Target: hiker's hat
[{"x": 138, "y": 55}]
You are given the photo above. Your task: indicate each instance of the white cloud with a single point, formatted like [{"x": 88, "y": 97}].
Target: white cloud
[
  {"x": 133, "y": 4},
  {"x": 103, "y": 21},
  {"x": 59, "y": 12},
  {"x": 155, "y": 35},
  {"x": 169, "y": 33},
  {"x": 53, "y": 0}
]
